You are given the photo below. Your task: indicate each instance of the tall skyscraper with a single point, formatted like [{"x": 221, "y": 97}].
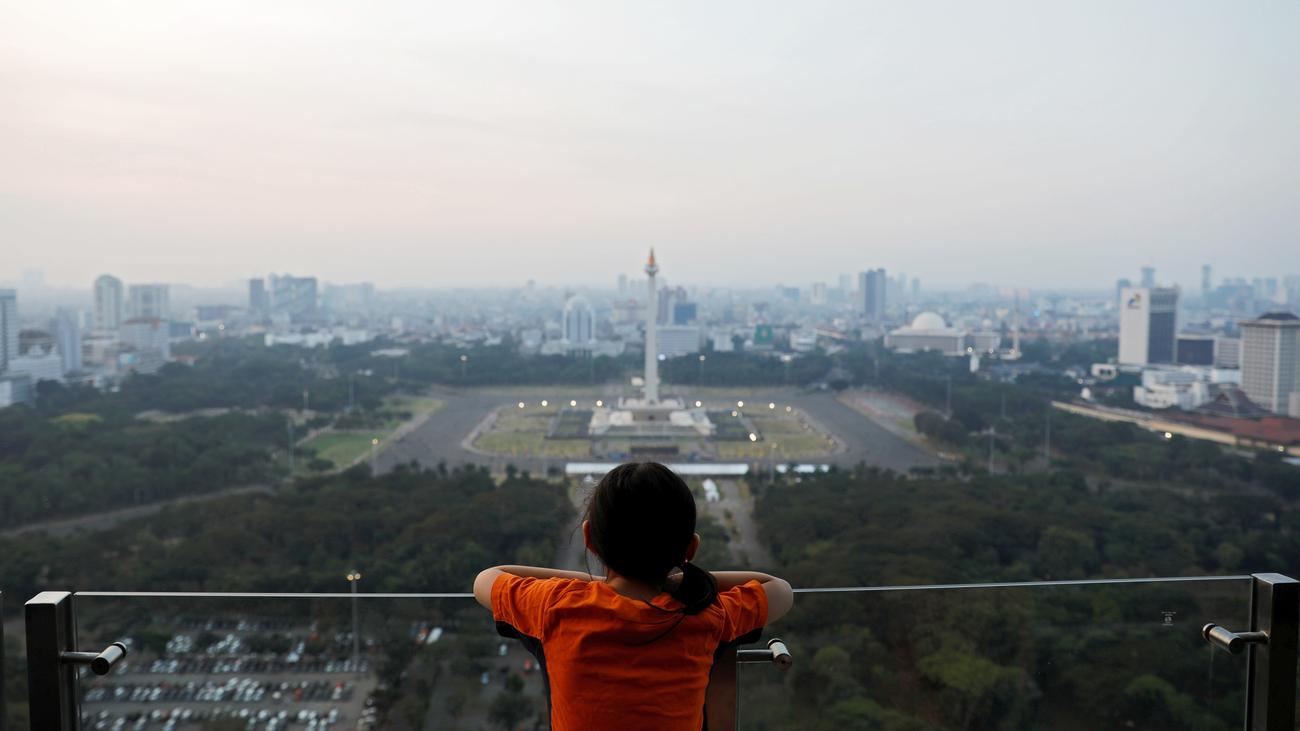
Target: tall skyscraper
[
  {"x": 872, "y": 285},
  {"x": 579, "y": 320},
  {"x": 1148, "y": 277},
  {"x": 295, "y": 297},
  {"x": 258, "y": 302},
  {"x": 108, "y": 303},
  {"x": 1148, "y": 325},
  {"x": 67, "y": 338},
  {"x": 8, "y": 327},
  {"x": 1206, "y": 283},
  {"x": 1270, "y": 360},
  {"x": 148, "y": 301}
]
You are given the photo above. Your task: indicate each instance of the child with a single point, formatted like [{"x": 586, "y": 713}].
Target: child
[{"x": 631, "y": 650}]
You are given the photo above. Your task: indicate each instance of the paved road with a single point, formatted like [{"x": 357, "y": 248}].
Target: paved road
[
  {"x": 862, "y": 439},
  {"x": 445, "y": 435}
]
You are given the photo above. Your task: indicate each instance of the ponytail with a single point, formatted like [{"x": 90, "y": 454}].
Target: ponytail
[{"x": 693, "y": 587}]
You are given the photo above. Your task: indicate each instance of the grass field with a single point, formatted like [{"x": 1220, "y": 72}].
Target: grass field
[
  {"x": 793, "y": 446},
  {"x": 532, "y": 444},
  {"x": 343, "y": 447}
]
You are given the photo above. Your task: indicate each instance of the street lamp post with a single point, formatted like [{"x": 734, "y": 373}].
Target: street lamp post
[
  {"x": 353, "y": 578},
  {"x": 374, "y": 452},
  {"x": 701, "y": 379},
  {"x": 464, "y": 359}
]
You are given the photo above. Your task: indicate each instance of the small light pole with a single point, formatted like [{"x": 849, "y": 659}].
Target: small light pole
[
  {"x": 464, "y": 359},
  {"x": 374, "y": 452},
  {"x": 771, "y": 462},
  {"x": 353, "y": 578},
  {"x": 702, "y": 359}
]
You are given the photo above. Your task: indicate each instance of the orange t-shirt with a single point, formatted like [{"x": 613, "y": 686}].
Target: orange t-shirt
[{"x": 610, "y": 661}]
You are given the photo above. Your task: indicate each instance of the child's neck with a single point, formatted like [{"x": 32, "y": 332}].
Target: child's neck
[{"x": 631, "y": 588}]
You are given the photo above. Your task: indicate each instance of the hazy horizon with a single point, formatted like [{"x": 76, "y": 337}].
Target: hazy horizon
[{"x": 750, "y": 143}]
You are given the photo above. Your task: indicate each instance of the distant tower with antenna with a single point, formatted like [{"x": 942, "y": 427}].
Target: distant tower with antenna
[{"x": 651, "y": 348}]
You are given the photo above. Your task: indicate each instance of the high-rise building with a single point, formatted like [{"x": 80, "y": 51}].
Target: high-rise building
[
  {"x": 1270, "y": 360},
  {"x": 148, "y": 301},
  {"x": 148, "y": 334},
  {"x": 685, "y": 313},
  {"x": 1206, "y": 283},
  {"x": 294, "y": 296},
  {"x": 67, "y": 337},
  {"x": 818, "y": 296},
  {"x": 872, "y": 285},
  {"x": 258, "y": 301},
  {"x": 1148, "y": 277},
  {"x": 108, "y": 303},
  {"x": 579, "y": 321},
  {"x": 1148, "y": 325},
  {"x": 8, "y": 327},
  {"x": 846, "y": 283}
]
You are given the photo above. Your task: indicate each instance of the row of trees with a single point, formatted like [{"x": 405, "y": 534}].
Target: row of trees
[
  {"x": 1118, "y": 656},
  {"x": 57, "y": 466}
]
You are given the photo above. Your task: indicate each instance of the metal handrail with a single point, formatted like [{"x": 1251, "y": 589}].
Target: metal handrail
[
  {"x": 799, "y": 590},
  {"x": 1270, "y": 643}
]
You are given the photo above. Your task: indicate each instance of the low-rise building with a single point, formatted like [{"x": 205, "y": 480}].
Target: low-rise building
[
  {"x": 15, "y": 388},
  {"x": 1184, "y": 388},
  {"x": 38, "y": 364},
  {"x": 929, "y": 331}
]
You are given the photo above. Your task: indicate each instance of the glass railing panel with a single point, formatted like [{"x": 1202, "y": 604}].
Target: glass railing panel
[
  {"x": 274, "y": 663},
  {"x": 1088, "y": 655}
]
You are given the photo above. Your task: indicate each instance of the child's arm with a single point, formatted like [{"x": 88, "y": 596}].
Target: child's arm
[
  {"x": 780, "y": 597},
  {"x": 483, "y": 582}
]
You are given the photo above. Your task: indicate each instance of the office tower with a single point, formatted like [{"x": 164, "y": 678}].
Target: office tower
[
  {"x": 1206, "y": 285},
  {"x": 258, "y": 301},
  {"x": 147, "y": 301},
  {"x": 916, "y": 288},
  {"x": 1148, "y": 320},
  {"x": 871, "y": 286},
  {"x": 622, "y": 284},
  {"x": 1148, "y": 277},
  {"x": 685, "y": 313},
  {"x": 579, "y": 320},
  {"x": 1270, "y": 348},
  {"x": 67, "y": 337},
  {"x": 8, "y": 327},
  {"x": 108, "y": 303},
  {"x": 846, "y": 283},
  {"x": 148, "y": 334},
  {"x": 294, "y": 296},
  {"x": 818, "y": 294}
]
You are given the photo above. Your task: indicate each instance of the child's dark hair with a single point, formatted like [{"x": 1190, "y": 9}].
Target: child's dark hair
[{"x": 642, "y": 518}]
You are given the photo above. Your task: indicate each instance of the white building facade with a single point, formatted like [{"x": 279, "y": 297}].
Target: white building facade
[
  {"x": 1148, "y": 325},
  {"x": 1270, "y": 360},
  {"x": 108, "y": 303}
]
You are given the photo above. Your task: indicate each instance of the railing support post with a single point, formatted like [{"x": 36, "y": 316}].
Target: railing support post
[
  {"x": 1271, "y": 672},
  {"x": 4, "y": 710},
  {"x": 51, "y": 684}
]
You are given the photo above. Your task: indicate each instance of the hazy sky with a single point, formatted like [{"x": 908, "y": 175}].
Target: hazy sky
[{"x": 486, "y": 142}]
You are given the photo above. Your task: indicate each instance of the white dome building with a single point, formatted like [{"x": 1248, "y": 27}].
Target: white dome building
[{"x": 929, "y": 331}]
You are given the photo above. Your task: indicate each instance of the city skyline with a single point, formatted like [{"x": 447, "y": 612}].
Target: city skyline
[{"x": 471, "y": 145}]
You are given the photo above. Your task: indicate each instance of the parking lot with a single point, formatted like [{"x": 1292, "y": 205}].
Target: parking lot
[{"x": 225, "y": 671}]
